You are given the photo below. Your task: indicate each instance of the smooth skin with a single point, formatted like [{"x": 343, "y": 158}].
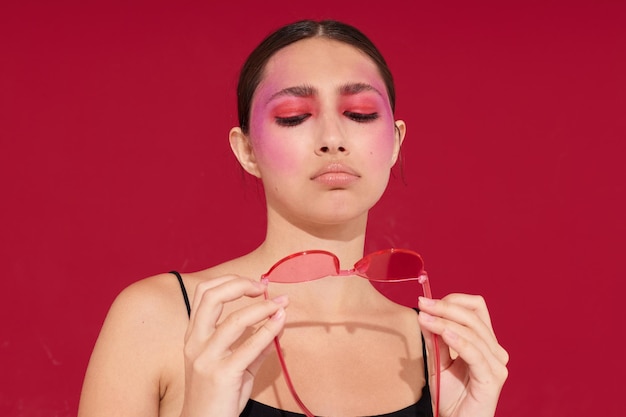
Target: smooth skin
[{"x": 324, "y": 160}]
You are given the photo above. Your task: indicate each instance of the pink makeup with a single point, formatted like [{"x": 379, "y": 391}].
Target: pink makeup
[
  {"x": 362, "y": 103},
  {"x": 292, "y": 111},
  {"x": 308, "y": 101}
]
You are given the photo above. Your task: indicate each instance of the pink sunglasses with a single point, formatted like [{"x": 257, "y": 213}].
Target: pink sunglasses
[{"x": 389, "y": 265}]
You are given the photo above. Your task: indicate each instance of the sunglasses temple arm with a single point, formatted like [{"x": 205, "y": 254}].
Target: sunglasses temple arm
[
  {"x": 283, "y": 365},
  {"x": 437, "y": 363},
  {"x": 423, "y": 279}
]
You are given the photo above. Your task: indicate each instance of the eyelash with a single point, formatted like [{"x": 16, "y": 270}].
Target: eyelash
[
  {"x": 293, "y": 120},
  {"x": 296, "y": 120},
  {"x": 361, "y": 117}
]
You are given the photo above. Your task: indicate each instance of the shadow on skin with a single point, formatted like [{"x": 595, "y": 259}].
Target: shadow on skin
[{"x": 272, "y": 370}]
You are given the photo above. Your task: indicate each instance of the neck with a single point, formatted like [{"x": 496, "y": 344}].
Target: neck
[{"x": 346, "y": 240}]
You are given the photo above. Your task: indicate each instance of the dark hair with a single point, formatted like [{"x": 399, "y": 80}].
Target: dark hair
[{"x": 253, "y": 68}]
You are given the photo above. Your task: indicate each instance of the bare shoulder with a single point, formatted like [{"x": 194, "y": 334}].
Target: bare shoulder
[
  {"x": 137, "y": 363},
  {"x": 135, "y": 350},
  {"x": 149, "y": 311},
  {"x": 150, "y": 299}
]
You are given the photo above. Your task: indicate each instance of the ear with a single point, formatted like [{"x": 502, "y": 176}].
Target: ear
[
  {"x": 241, "y": 147},
  {"x": 400, "y": 132}
]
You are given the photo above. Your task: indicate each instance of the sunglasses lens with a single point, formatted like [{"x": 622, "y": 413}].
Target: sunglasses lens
[
  {"x": 391, "y": 265},
  {"x": 302, "y": 267}
]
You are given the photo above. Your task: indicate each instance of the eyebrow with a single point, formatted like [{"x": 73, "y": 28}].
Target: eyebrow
[
  {"x": 297, "y": 91},
  {"x": 356, "y": 88},
  {"x": 306, "y": 91}
]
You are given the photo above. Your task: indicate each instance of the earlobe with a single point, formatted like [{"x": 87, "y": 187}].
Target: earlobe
[
  {"x": 241, "y": 147},
  {"x": 400, "y": 132}
]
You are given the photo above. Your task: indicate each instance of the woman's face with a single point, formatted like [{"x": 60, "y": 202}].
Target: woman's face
[{"x": 322, "y": 132}]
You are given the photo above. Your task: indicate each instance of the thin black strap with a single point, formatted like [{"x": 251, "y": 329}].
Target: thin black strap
[
  {"x": 184, "y": 290},
  {"x": 425, "y": 360},
  {"x": 424, "y": 353}
]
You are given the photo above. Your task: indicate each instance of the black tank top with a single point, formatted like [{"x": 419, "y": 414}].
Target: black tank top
[{"x": 422, "y": 408}]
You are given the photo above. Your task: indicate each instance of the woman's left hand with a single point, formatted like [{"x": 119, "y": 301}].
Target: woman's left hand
[{"x": 471, "y": 377}]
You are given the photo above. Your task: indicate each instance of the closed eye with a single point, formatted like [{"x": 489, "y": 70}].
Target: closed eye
[
  {"x": 292, "y": 120},
  {"x": 361, "y": 117}
]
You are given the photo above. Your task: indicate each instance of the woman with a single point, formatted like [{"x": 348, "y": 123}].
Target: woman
[{"x": 316, "y": 105}]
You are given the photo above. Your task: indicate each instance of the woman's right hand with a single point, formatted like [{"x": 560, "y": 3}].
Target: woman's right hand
[{"x": 219, "y": 365}]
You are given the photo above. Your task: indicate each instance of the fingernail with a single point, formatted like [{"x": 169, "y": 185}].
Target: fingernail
[
  {"x": 281, "y": 299},
  {"x": 426, "y": 301},
  {"x": 279, "y": 314}
]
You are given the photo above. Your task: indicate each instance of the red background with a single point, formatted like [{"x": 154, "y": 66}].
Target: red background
[{"x": 115, "y": 166}]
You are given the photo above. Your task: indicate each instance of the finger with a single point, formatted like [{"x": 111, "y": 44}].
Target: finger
[
  {"x": 465, "y": 314},
  {"x": 207, "y": 285},
  {"x": 475, "y": 303},
  {"x": 484, "y": 368},
  {"x": 469, "y": 344},
  {"x": 209, "y": 300},
  {"x": 468, "y": 311},
  {"x": 254, "y": 349},
  {"x": 236, "y": 323},
  {"x": 255, "y": 365}
]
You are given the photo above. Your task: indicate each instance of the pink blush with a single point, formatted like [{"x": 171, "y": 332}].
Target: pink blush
[
  {"x": 270, "y": 144},
  {"x": 279, "y": 159}
]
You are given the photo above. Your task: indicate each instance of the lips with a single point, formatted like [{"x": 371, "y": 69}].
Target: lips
[{"x": 336, "y": 175}]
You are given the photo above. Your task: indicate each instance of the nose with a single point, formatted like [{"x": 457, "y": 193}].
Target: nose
[{"x": 331, "y": 138}]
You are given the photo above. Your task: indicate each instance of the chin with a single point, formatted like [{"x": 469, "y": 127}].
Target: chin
[{"x": 341, "y": 218}]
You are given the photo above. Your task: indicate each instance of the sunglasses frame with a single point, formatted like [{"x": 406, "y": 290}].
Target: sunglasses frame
[{"x": 422, "y": 278}]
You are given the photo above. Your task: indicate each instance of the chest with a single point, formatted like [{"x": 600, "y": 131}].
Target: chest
[{"x": 346, "y": 368}]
